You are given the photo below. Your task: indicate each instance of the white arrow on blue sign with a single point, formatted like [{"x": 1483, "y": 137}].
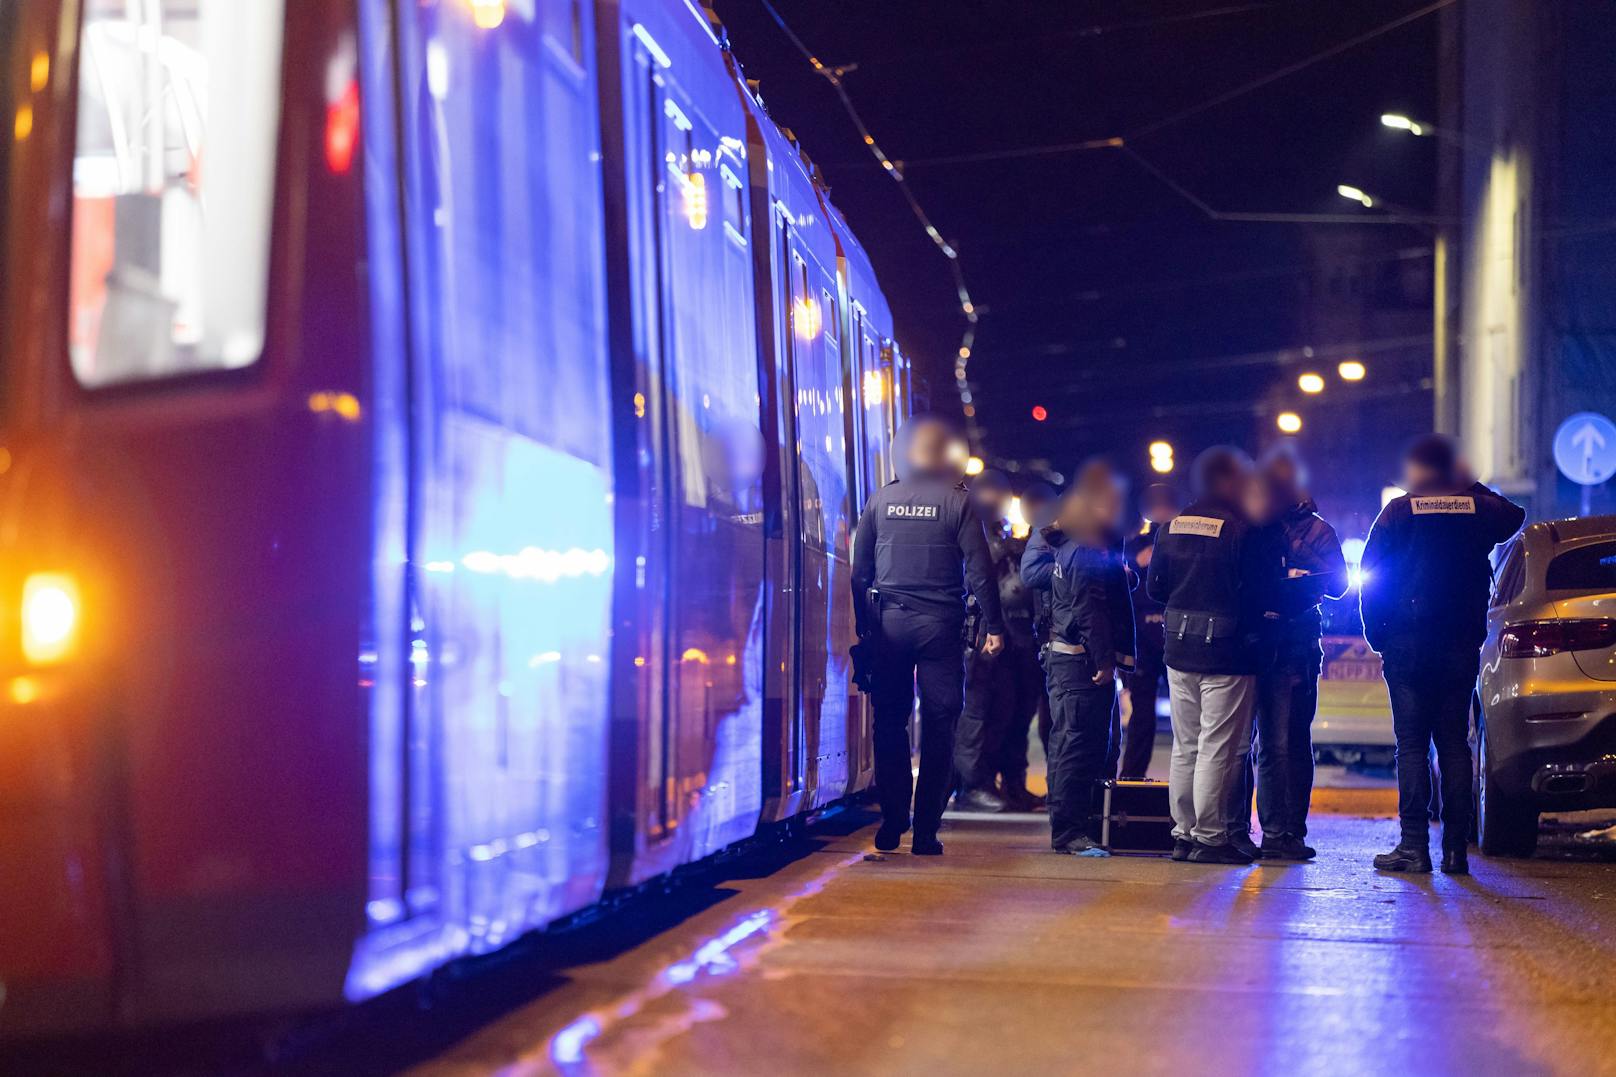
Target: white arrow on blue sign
[{"x": 1585, "y": 448}]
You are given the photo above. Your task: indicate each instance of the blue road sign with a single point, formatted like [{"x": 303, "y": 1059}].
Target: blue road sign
[{"x": 1585, "y": 448}]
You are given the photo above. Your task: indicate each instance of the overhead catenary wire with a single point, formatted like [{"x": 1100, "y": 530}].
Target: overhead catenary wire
[
  {"x": 892, "y": 168},
  {"x": 1127, "y": 137}
]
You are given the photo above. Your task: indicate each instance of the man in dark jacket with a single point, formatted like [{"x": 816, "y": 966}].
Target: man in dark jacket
[
  {"x": 918, "y": 547},
  {"x": 1217, "y": 584},
  {"x": 1288, "y": 686},
  {"x": 1426, "y": 575},
  {"x": 1091, "y": 638},
  {"x": 1157, "y": 505},
  {"x": 1000, "y": 697}
]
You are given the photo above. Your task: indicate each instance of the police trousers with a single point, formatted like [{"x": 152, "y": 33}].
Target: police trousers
[
  {"x": 1082, "y": 716},
  {"x": 1211, "y": 736},
  {"x": 924, "y": 651},
  {"x": 1002, "y": 697},
  {"x": 1144, "y": 684},
  {"x": 1430, "y": 686}
]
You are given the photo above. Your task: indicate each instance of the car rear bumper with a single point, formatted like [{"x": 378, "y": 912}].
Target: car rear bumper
[{"x": 1557, "y": 749}]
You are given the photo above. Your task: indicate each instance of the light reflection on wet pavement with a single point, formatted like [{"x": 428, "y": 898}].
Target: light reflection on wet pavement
[{"x": 1002, "y": 957}]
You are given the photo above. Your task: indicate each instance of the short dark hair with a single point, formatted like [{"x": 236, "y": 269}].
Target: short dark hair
[
  {"x": 1039, "y": 491},
  {"x": 1216, "y": 467},
  {"x": 1434, "y": 452}
]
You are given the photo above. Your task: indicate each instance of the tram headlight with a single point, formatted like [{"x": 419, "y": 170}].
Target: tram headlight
[{"x": 50, "y": 617}]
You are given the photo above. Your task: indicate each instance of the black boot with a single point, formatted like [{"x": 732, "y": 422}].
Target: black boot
[
  {"x": 1217, "y": 854},
  {"x": 1244, "y": 845},
  {"x": 886, "y": 839},
  {"x": 979, "y": 800},
  {"x": 1455, "y": 862},
  {"x": 926, "y": 845},
  {"x": 1286, "y": 847},
  {"x": 1404, "y": 858}
]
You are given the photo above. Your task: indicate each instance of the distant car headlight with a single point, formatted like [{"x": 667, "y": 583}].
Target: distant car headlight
[
  {"x": 50, "y": 617},
  {"x": 1539, "y": 639}
]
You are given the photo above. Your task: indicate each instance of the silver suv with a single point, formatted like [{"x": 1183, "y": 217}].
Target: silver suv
[{"x": 1545, "y": 708}]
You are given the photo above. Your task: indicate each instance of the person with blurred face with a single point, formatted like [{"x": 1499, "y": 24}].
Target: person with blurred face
[
  {"x": 1288, "y": 685},
  {"x": 1092, "y": 637},
  {"x": 1000, "y": 695},
  {"x": 1039, "y": 503},
  {"x": 1158, "y": 505},
  {"x": 918, "y": 548},
  {"x": 1426, "y": 577},
  {"x": 1216, "y": 583}
]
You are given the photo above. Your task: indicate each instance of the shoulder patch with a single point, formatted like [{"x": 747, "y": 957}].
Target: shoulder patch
[
  {"x": 1205, "y": 526},
  {"x": 912, "y": 512},
  {"x": 1443, "y": 506}
]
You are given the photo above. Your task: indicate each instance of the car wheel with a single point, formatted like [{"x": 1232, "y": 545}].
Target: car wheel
[{"x": 1505, "y": 826}]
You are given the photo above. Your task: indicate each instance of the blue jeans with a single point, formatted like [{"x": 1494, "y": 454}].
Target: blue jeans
[{"x": 1282, "y": 748}]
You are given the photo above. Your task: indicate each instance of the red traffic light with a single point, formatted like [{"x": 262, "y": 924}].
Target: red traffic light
[{"x": 1039, "y": 414}]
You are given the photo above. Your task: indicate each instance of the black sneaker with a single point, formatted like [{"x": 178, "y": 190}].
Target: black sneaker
[
  {"x": 1217, "y": 854},
  {"x": 1286, "y": 847},
  {"x": 1404, "y": 858},
  {"x": 1455, "y": 862},
  {"x": 1182, "y": 847},
  {"x": 887, "y": 838},
  {"x": 979, "y": 800},
  {"x": 926, "y": 846},
  {"x": 1082, "y": 846},
  {"x": 1246, "y": 847}
]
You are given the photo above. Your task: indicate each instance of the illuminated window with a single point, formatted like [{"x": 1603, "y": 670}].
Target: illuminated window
[{"x": 173, "y": 177}]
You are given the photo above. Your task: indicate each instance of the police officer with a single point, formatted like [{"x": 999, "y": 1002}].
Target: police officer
[
  {"x": 1157, "y": 505},
  {"x": 918, "y": 546},
  {"x": 988, "y": 685},
  {"x": 1091, "y": 639},
  {"x": 1039, "y": 504},
  {"x": 1426, "y": 575},
  {"x": 1288, "y": 685},
  {"x": 1216, "y": 583}
]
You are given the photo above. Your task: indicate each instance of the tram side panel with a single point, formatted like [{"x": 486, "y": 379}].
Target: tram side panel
[{"x": 688, "y": 669}]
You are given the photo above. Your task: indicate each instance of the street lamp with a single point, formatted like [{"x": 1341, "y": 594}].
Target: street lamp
[
  {"x": 1161, "y": 457},
  {"x": 1355, "y": 194},
  {"x": 1310, "y": 383},
  {"x": 1351, "y": 370},
  {"x": 1289, "y": 422},
  {"x": 1399, "y": 122}
]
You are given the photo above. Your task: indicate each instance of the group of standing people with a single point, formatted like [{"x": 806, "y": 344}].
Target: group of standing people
[{"x": 1221, "y": 596}]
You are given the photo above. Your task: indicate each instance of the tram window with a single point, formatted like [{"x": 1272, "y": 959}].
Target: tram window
[{"x": 173, "y": 177}]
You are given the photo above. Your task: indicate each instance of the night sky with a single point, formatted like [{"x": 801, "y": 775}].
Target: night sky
[{"x": 1105, "y": 295}]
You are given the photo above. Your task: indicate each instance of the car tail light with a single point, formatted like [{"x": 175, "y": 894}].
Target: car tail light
[{"x": 1539, "y": 639}]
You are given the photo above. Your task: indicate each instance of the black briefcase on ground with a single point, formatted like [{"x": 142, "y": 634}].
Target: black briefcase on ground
[{"x": 1133, "y": 818}]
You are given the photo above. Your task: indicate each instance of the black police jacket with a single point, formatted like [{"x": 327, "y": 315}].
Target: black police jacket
[
  {"x": 1218, "y": 578},
  {"x": 1315, "y": 569},
  {"x": 1089, "y": 592},
  {"x": 921, "y": 544},
  {"x": 1426, "y": 567},
  {"x": 1015, "y": 598},
  {"x": 1147, "y": 612}
]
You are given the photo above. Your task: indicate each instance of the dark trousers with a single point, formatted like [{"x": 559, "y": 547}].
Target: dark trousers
[
  {"x": 1143, "y": 685},
  {"x": 1280, "y": 763},
  {"x": 916, "y": 650},
  {"x": 1002, "y": 694},
  {"x": 1431, "y": 686},
  {"x": 1082, "y": 714}
]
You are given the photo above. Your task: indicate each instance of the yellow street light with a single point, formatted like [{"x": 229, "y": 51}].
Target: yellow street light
[
  {"x": 1310, "y": 383},
  {"x": 974, "y": 465},
  {"x": 1289, "y": 422},
  {"x": 1351, "y": 370},
  {"x": 1161, "y": 465}
]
